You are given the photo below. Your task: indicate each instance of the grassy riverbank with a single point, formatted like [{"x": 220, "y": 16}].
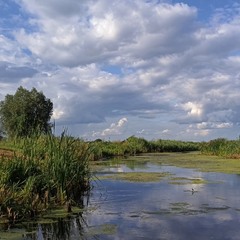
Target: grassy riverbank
[{"x": 44, "y": 172}]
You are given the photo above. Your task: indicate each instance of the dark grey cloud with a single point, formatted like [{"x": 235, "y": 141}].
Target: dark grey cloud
[
  {"x": 111, "y": 102},
  {"x": 13, "y": 73}
]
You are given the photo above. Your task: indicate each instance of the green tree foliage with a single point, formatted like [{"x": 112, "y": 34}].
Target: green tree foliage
[
  {"x": 1, "y": 131},
  {"x": 25, "y": 112}
]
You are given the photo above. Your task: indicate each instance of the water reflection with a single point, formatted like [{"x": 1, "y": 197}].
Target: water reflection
[
  {"x": 62, "y": 229},
  {"x": 158, "y": 210},
  {"x": 169, "y": 212}
]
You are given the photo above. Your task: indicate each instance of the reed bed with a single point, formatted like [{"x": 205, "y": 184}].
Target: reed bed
[
  {"x": 222, "y": 147},
  {"x": 46, "y": 172}
]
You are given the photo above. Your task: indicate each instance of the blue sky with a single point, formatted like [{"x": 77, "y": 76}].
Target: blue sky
[{"x": 153, "y": 69}]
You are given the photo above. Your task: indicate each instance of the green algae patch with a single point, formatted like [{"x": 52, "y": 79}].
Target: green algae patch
[
  {"x": 138, "y": 176},
  {"x": 115, "y": 163},
  {"x": 18, "y": 235},
  {"x": 194, "y": 160},
  {"x": 62, "y": 213},
  {"x": 184, "y": 180},
  {"x": 99, "y": 165},
  {"x": 105, "y": 229}
]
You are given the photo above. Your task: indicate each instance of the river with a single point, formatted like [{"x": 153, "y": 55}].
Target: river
[{"x": 184, "y": 204}]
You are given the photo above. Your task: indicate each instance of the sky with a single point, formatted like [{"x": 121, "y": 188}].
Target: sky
[{"x": 113, "y": 69}]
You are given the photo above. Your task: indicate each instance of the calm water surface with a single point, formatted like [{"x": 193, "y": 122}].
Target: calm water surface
[{"x": 158, "y": 210}]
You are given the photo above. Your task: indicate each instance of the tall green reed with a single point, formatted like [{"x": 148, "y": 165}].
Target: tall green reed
[
  {"x": 47, "y": 171},
  {"x": 222, "y": 147}
]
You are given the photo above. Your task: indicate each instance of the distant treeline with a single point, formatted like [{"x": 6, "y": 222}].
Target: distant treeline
[
  {"x": 134, "y": 145},
  {"x": 99, "y": 148},
  {"x": 222, "y": 147}
]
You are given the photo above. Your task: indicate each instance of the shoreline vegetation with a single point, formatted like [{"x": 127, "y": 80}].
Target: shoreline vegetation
[
  {"x": 222, "y": 147},
  {"x": 43, "y": 172}
]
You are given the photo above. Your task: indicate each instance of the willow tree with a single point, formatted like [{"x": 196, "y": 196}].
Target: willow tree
[{"x": 25, "y": 112}]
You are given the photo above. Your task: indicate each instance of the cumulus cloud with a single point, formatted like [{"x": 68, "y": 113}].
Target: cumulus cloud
[
  {"x": 102, "y": 34},
  {"x": 159, "y": 62},
  {"x": 193, "y": 109},
  {"x": 114, "y": 129}
]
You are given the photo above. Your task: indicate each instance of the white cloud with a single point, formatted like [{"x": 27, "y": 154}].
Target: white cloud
[
  {"x": 114, "y": 129},
  {"x": 11, "y": 52},
  {"x": 102, "y": 34},
  {"x": 211, "y": 125},
  {"x": 141, "y": 131},
  {"x": 203, "y": 133},
  {"x": 166, "y": 131},
  {"x": 193, "y": 109},
  {"x": 157, "y": 62},
  {"x": 192, "y": 130}
]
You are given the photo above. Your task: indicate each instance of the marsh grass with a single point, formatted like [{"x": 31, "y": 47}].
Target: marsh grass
[
  {"x": 137, "y": 176},
  {"x": 46, "y": 172},
  {"x": 193, "y": 160},
  {"x": 222, "y": 147}
]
